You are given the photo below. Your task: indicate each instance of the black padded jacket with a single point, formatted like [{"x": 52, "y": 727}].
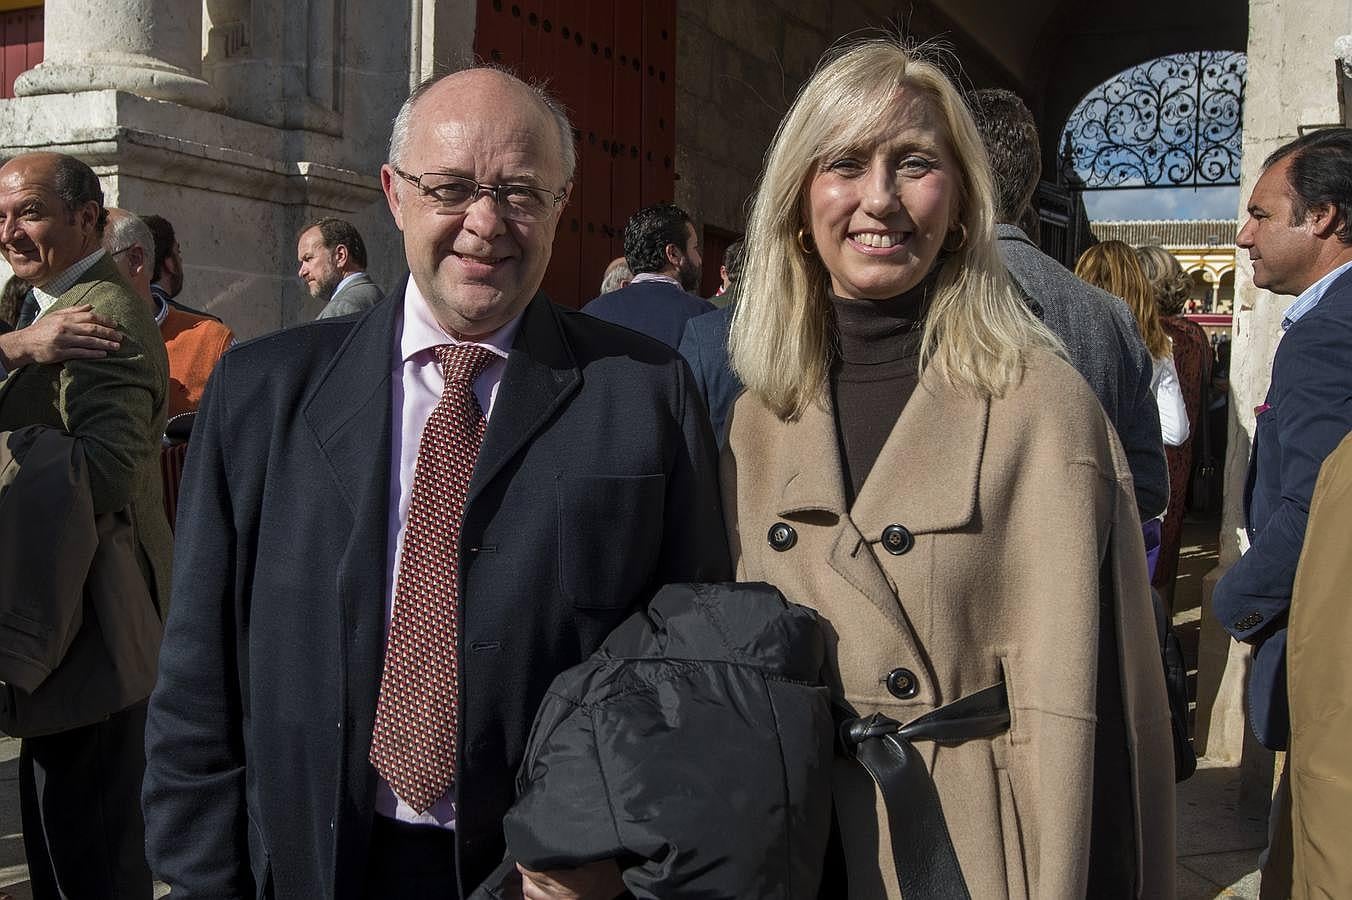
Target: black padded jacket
[{"x": 694, "y": 747}]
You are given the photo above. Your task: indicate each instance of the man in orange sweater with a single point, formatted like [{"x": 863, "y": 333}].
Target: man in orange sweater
[{"x": 194, "y": 342}]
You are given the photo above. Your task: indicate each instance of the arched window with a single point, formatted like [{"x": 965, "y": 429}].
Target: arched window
[
  {"x": 1225, "y": 293},
  {"x": 1170, "y": 122},
  {"x": 1199, "y": 298}
]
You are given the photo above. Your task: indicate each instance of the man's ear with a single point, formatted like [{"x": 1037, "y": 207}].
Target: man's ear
[
  {"x": 674, "y": 255},
  {"x": 340, "y": 257},
  {"x": 88, "y": 215},
  {"x": 389, "y": 183},
  {"x": 137, "y": 260},
  {"x": 1324, "y": 220}
]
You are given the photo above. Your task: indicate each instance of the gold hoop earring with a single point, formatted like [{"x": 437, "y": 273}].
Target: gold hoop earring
[
  {"x": 803, "y": 238},
  {"x": 961, "y": 243}
]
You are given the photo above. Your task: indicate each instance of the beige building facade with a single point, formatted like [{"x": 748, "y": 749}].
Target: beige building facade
[
  {"x": 236, "y": 123},
  {"x": 241, "y": 120}
]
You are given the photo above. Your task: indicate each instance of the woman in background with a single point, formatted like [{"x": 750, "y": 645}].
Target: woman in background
[
  {"x": 1192, "y": 358},
  {"x": 913, "y": 459},
  {"x": 1112, "y": 265}
]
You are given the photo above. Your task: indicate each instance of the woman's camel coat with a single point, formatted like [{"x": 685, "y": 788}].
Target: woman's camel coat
[{"x": 1014, "y": 504}]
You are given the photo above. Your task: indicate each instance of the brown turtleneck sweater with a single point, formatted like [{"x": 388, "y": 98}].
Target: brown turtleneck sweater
[{"x": 873, "y": 374}]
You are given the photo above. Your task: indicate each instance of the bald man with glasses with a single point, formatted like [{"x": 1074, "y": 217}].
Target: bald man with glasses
[{"x": 402, "y": 526}]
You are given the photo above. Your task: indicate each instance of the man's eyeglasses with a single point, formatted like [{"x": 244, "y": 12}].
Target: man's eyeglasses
[{"x": 454, "y": 194}]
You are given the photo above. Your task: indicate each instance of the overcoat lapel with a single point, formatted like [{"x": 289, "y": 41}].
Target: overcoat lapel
[
  {"x": 925, "y": 479},
  {"x": 811, "y": 475},
  {"x": 541, "y": 374},
  {"x": 926, "y": 475},
  {"x": 349, "y": 416}
]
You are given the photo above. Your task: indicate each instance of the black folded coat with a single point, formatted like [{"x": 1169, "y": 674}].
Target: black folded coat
[{"x": 694, "y": 747}]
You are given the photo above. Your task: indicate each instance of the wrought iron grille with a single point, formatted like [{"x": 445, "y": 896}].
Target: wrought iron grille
[{"x": 1171, "y": 122}]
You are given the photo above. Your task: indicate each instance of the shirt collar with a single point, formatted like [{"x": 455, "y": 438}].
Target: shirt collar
[
  {"x": 347, "y": 279},
  {"x": 654, "y": 276},
  {"x": 422, "y": 332},
  {"x": 52, "y": 290},
  {"x": 161, "y": 305},
  {"x": 1311, "y": 296}
]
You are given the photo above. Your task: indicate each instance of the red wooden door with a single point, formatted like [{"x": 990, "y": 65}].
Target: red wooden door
[
  {"x": 613, "y": 65},
  {"x": 20, "y": 45}
]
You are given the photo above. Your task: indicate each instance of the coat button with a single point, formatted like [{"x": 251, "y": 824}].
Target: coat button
[
  {"x": 782, "y": 536},
  {"x": 902, "y": 684},
  {"x": 897, "y": 540}
]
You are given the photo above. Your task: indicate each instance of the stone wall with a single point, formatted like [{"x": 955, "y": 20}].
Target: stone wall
[{"x": 740, "y": 63}]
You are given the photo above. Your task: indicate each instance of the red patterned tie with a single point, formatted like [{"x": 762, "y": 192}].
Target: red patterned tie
[{"x": 413, "y": 746}]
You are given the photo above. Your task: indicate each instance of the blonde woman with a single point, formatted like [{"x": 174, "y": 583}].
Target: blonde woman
[
  {"x": 1192, "y": 356},
  {"x": 914, "y": 459},
  {"x": 1113, "y": 266}
]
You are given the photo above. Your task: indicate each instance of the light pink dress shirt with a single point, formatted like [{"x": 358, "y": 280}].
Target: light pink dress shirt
[{"x": 415, "y": 389}]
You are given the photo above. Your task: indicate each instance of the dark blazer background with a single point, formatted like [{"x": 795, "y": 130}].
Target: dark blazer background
[
  {"x": 594, "y": 486},
  {"x": 705, "y": 346},
  {"x": 1104, "y": 346},
  {"x": 655, "y": 308},
  {"x": 1307, "y": 412}
]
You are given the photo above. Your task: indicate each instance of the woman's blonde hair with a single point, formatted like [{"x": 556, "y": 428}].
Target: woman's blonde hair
[
  {"x": 1171, "y": 285},
  {"x": 977, "y": 330},
  {"x": 1113, "y": 266}
]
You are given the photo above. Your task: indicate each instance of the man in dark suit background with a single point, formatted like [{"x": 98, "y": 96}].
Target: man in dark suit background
[
  {"x": 319, "y": 564},
  {"x": 704, "y": 344},
  {"x": 663, "y": 252},
  {"x": 332, "y": 259},
  {"x": 1099, "y": 331},
  {"x": 1299, "y": 237}
]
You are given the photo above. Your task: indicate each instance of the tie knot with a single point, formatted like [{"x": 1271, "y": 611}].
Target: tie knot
[{"x": 462, "y": 363}]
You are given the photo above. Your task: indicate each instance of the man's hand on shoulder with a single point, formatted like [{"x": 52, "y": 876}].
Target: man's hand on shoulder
[
  {"x": 74, "y": 333},
  {"x": 595, "y": 881}
]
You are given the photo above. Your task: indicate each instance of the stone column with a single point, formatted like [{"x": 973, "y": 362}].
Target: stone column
[
  {"x": 442, "y": 38},
  {"x": 148, "y": 47}
]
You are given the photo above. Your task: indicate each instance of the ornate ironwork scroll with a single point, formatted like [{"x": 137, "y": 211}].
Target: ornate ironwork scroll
[{"x": 1171, "y": 122}]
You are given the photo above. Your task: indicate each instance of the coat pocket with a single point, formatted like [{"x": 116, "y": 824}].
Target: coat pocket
[
  {"x": 1011, "y": 829},
  {"x": 609, "y": 536},
  {"x": 1016, "y": 872}
]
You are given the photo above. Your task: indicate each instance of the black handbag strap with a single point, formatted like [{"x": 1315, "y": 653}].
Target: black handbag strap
[{"x": 922, "y": 850}]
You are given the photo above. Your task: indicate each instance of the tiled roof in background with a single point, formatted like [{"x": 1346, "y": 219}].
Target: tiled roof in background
[{"x": 1197, "y": 233}]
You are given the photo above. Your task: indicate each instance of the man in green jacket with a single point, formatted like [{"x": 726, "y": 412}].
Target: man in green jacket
[{"x": 79, "y": 789}]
